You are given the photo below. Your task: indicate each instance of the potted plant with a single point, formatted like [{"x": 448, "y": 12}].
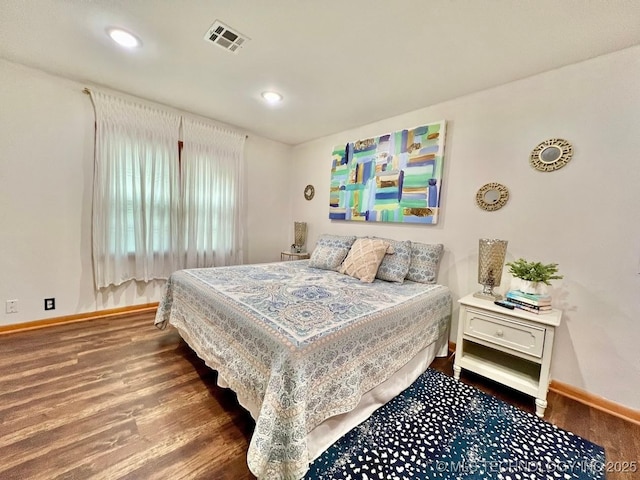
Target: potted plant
[{"x": 533, "y": 276}]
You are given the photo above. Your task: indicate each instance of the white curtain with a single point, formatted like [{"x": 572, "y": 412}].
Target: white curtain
[
  {"x": 136, "y": 192},
  {"x": 213, "y": 200}
]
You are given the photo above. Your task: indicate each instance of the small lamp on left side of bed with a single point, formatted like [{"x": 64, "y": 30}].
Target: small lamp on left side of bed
[{"x": 299, "y": 236}]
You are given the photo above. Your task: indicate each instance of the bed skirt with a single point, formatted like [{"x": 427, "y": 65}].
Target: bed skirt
[{"x": 329, "y": 431}]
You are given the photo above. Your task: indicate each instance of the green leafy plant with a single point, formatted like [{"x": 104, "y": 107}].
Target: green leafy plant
[{"x": 534, "y": 271}]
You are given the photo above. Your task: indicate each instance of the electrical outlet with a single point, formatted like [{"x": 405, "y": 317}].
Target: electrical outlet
[
  {"x": 49, "y": 303},
  {"x": 12, "y": 306}
]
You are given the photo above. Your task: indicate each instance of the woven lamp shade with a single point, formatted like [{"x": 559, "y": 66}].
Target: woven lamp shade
[
  {"x": 491, "y": 254},
  {"x": 299, "y": 235}
]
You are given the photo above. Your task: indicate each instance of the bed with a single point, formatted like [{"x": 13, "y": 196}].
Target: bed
[{"x": 310, "y": 353}]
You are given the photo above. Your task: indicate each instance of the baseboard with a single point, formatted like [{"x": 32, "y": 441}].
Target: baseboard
[
  {"x": 80, "y": 317},
  {"x": 586, "y": 398},
  {"x": 595, "y": 401}
]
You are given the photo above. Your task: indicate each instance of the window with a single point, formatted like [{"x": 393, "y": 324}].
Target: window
[{"x": 158, "y": 208}]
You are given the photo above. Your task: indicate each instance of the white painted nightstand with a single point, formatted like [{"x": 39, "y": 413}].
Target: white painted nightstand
[{"x": 513, "y": 347}]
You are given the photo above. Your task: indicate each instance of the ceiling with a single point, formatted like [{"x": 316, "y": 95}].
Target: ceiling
[{"x": 339, "y": 63}]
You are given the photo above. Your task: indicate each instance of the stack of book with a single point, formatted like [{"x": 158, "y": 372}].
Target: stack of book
[{"x": 529, "y": 301}]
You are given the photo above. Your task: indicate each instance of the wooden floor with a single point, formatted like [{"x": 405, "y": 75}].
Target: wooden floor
[{"x": 119, "y": 399}]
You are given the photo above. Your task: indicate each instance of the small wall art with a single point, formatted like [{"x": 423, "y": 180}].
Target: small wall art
[
  {"x": 550, "y": 155},
  {"x": 394, "y": 177},
  {"x": 492, "y": 196}
]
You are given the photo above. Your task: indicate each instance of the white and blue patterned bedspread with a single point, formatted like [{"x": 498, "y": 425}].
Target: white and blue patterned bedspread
[{"x": 299, "y": 344}]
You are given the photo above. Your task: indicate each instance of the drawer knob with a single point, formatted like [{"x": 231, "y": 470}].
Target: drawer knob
[{"x": 499, "y": 333}]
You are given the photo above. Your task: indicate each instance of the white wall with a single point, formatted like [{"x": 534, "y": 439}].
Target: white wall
[
  {"x": 46, "y": 176},
  {"x": 269, "y": 230},
  {"x": 584, "y": 217}
]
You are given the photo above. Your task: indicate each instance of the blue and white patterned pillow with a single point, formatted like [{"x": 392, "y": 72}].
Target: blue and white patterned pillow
[
  {"x": 331, "y": 251},
  {"x": 395, "y": 266},
  {"x": 424, "y": 262}
]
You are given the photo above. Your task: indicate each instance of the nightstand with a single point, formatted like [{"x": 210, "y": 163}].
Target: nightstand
[
  {"x": 294, "y": 255},
  {"x": 512, "y": 347}
]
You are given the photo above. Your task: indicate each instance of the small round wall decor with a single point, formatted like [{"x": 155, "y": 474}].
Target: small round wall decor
[
  {"x": 309, "y": 192},
  {"x": 551, "y": 155},
  {"x": 492, "y": 196}
]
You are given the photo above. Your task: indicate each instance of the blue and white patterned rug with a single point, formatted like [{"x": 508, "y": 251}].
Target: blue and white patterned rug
[{"x": 443, "y": 429}]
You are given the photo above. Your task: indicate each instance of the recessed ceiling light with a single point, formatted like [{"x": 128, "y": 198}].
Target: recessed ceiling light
[
  {"x": 124, "y": 38},
  {"x": 272, "y": 97}
]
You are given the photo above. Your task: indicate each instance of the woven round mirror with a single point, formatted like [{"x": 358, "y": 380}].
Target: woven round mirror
[
  {"x": 309, "y": 192},
  {"x": 551, "y": 155},
  {"x": 492, "y": 196}
]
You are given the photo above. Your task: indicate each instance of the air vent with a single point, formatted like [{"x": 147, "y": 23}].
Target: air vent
[{"x": 225, "y": 37}]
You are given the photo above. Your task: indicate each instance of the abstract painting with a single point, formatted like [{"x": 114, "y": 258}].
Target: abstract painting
[{"x": 391, "y": 178}]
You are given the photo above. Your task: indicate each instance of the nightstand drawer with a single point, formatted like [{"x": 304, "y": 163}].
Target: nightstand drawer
[{"x": 503, "y": 331}]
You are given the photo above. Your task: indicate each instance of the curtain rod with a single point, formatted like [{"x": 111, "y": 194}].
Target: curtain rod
[{"x": 88, "y": 92}]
